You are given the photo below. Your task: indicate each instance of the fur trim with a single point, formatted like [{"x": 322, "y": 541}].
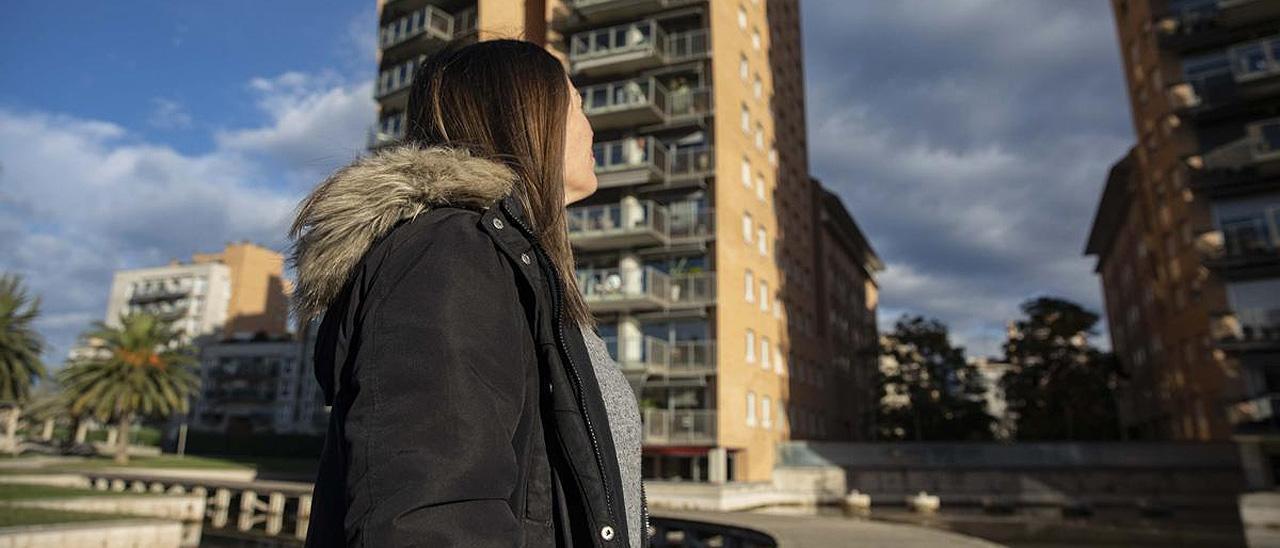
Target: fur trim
[{"x": 342, "y": 217}]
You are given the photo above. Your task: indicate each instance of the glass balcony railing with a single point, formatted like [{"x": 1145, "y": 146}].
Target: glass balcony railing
[
  {"x": 1247, "y": 326},
  {"x": 610, "y": 289},
  {"x": 1250, "y": 237},
  {"x": 389, "y": 130},
  {"x": 662, "y": 357},
  {"x": 696, "y": 161},
  {"x": 627, "y": 94},
  {"x": 1215, "y": 80},
  {"x": 430, "y": 21},
  {"x": 630, "y": 153},
  {"x": 633, "y": 46},
  {"x": 644, "y": 36},
  {"x": 640, "y": 285},
  {"x": 395, "y": 79},
  {"x": 599, "y": 221},
  {"x": 690, "y": 223},
  {"x": 667, "y": 426}
]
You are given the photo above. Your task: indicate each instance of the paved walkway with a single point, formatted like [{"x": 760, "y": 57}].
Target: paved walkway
[{"x": 829, "y": 532}]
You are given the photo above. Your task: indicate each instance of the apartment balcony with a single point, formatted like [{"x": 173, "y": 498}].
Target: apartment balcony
[
  {"x": 1247, "y": 329},
  {"x": 646, "y": 161},
  {"x": 424, "y": 28},
  {"x": 1243, "y": 248},
  {"x": 679, "y": 426},
  {"x": 1250, "y": 75},
  {"x": 162, "y": 292},
  {"x": 655, "y": 357},
  {"x": 631, "y": 161},
  {"x": 1249, "y": 164},
  {"x": 1201, "y": 24},
  {"x": 1255, "y": 415},
  {"x": 389, "y": 131},
  {"x": 611, "y": 226},
  {"x": 596, "y": 12},
  {"x": 633, "y": 47},
  {"x": 643, "y": 102},
  {"x": 644, "y": 289}
]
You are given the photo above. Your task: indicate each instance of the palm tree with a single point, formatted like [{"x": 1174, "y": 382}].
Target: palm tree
[
  {"x": 142, "y": 369},
  {"x": 20, "y": 349}
]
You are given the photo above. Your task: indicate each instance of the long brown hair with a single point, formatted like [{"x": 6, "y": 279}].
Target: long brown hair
[{"x": 506, "y": 100}]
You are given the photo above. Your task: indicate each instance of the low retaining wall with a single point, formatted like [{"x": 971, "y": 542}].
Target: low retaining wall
[
  {"x": 1165, "y": 475},
  {"x": 133, "y": 532},
  {"x": 186, "y": 510}
]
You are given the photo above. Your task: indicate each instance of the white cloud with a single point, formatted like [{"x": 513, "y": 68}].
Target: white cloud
[
  {"x": 169, "y": 114},
  {"x": 80, "y": 198}
]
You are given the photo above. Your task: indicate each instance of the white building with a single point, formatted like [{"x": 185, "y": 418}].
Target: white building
[{"x": 195, "y": 296}]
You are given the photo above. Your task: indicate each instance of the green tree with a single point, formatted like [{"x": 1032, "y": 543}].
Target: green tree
[
  {"x": 928, "y": 390},
  {"x": 141, "y": 369},
  {"x": 1058, "y": 386},
  {"x": 20, "y": 349}
]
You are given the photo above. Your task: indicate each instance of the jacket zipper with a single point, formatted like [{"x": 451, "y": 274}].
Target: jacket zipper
[
  {"x": 557, "y": 311},
  {"x": 644, "y": 515}
]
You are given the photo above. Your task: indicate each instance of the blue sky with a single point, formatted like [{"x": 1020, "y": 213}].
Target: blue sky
[{"x": 969, "y": 138}]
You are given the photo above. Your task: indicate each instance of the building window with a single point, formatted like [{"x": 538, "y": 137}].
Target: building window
[
  {"x": 757, "y": 88},
  {"x": 755, "y": 39},
  {"x": 746, "y": 227},
  {"x": 744, "y": 68},
  {"x": 750, "y": 286},
  {"x": 746, "y": 120},
  {"x": 746, "y": 172},
  {"x": 742, "y": 17},
  {"x": 777, "y": 307},
  {"x": 777, "y": 360},
  {"x": 762, "y": 241},
  {"x": 751, "y": 346},
  {"x": 759, "y": 136},
  {"x": 764, "y": 295},
  {"x": 764, "y": 353},
  {"x": 766, "y": 419},
  {"x": 760, "y": 187},
  {"x": 751, "y": 408}
]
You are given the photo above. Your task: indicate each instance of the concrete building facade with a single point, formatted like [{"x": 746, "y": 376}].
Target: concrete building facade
[
  {"x": 256, "y": 385},
  {"x": 700, "y": 252}
]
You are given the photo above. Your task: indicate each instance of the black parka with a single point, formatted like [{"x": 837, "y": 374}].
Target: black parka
[{"x": 465, "y": 411}]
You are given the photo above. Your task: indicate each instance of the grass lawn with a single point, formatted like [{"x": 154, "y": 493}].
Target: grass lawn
[
  {"x": 26, "y": 492},
  {"x": 14, "y": 516}
]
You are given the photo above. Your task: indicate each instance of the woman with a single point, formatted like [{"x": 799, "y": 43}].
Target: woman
[{"x": 473, "y": 403}]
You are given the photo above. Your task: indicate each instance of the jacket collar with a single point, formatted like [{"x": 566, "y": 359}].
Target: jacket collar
[{"x": 361, "y": 202}]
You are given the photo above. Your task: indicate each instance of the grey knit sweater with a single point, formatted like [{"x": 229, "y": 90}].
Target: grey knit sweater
[{"x": 624, "y": 423}]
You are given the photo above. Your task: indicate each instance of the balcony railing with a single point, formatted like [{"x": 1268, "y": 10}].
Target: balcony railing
[
  {"x": 633, "y": 47},
  {"x": 679, "y": 426},
  {"x": 429, "y": 21},
  {"x": 624, "y": 224},
  {"x": 395, "y": 79},
  {"x": 644, "y": 288},
  {"x": 1202, "y": 23},
  {"x": 389, "y": 130},
  {"x": 642, "y": 160},
  {"x": 1247, "y": 326},
  {"x": 643, "y": 101},
  {"x": 664, "y": 358},
  {"x": 1255, "y": 411},
  {"x": 160, "y": 292},
  {"x": 1219, "y": 82}
]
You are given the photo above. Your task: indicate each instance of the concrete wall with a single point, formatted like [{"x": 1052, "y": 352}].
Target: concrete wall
[
  {"x": 139, "y": 532},
  {"x": 1170, "y": 474}
]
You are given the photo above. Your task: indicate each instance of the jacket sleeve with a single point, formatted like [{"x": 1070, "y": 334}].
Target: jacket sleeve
[{"x": 446, "y": 389}]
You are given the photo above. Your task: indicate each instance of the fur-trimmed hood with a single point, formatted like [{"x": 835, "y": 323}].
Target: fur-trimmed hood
[{"x": 342, "y": 218}]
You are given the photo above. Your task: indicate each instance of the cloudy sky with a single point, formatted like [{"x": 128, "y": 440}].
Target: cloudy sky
[{"x": 969, "y": 138}]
